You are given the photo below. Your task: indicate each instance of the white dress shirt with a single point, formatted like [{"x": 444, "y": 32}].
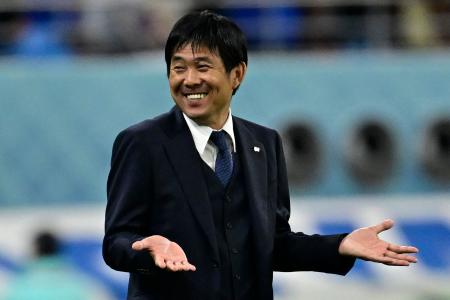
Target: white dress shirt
[{"x": 206, "y": 148}]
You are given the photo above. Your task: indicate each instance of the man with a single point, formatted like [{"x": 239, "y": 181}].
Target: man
[{"x": 198, "y": 201}]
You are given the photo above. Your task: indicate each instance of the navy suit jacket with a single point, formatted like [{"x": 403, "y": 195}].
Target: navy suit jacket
[{"x": 156, "y": 186}]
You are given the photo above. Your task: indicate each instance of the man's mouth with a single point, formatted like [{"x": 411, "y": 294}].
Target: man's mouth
[{"x": 196, "y": 96}]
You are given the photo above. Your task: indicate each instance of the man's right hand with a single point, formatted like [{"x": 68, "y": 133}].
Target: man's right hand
[{"x": 166, "y": 254}]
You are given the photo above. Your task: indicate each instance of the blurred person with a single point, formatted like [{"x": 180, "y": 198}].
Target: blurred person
[
  {"x": 144, "y": 25},
  {"x": 11, "y": 24},
  {"x": 198, "y": 199},
  {"x": 42, "y": 34},
  {"x": 417, "y": 24},
  {"x": 49, "y": 277}
]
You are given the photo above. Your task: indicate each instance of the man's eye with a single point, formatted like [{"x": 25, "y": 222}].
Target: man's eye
[
  {"x": 178, "y": 68},
  {"x": 203, "y": 68}
]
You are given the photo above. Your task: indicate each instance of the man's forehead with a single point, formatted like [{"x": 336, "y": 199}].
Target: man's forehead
[{"x": 188, "y": 51}]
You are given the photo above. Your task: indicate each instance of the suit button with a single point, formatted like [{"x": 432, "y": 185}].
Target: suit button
[
  {"x": 237, "y": 276},
  {"x": 229, "y": 225},
  {"x": 215, "y": 266},
  {"x": 235, "y": 251},
  {"x": 228, "y": 199}
]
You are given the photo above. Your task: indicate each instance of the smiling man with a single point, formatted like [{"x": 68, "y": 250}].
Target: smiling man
[
  {"x": 198, "y": 202},
  {"x": 201, "y": 85}
]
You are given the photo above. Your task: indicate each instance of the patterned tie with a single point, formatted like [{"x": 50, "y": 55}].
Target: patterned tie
[{"x": 224, "y": 160}]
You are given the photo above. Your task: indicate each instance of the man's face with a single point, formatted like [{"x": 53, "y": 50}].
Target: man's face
[{"x": 201, "y": 87}]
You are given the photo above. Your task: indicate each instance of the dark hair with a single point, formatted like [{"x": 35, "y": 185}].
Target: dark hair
[{"x": 213, "y": 31}]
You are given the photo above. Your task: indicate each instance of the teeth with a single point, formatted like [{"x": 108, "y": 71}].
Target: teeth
[{"x": 196, "y": 96}]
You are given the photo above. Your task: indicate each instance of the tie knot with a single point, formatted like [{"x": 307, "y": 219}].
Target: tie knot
[{"x": 219, "y": 138}]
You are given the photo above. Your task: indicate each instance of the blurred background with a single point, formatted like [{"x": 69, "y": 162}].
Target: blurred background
[{"x": 359, "y": 90}]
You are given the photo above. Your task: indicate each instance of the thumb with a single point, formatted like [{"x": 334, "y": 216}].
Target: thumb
[
  {"x": 138, "y": 246},
  {"x": 385, "y": 225}
]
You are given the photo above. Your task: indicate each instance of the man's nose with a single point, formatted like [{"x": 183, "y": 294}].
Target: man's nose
[{"x": 192, "y": 78}]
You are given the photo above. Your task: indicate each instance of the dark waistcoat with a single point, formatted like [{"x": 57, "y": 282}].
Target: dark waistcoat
[{"x": 234, "y": 233}]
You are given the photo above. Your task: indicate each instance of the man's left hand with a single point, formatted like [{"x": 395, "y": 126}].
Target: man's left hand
[{"x": 365, "y": 244}]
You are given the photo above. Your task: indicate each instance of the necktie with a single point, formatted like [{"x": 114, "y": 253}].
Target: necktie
[{"x": 224, "y": 160}]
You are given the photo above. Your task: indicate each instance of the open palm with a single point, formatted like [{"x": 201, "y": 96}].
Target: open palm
[
  {"x": 364, "y": 243},
  {"x": 166, "y": 254}
]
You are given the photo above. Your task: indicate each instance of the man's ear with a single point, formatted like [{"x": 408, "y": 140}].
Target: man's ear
[{"x": 239, "y": 74}]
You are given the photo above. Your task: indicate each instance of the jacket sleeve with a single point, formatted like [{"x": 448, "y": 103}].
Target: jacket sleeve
[
  {"x": 128, "y": 203},
  {"x": 296, "y": 251}
]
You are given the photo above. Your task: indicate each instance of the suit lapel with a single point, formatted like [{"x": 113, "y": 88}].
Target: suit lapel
[
  {"x": 180, "y": 149},
  {"x": 254, "y": 162},
  {"x": 184, "y": 157}
]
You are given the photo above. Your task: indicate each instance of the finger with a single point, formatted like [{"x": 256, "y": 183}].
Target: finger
[
  {"x": 380, "y": 259},
  {"x": 170, "y": 265},
  {"x": 402, "y": 249},
  {"x": 174, "y": 266},
  {"x": 159, "y": 262},
  {"x": 138, "y": 246},
  {"x": 390, "y": 261},
  {"x": 405, "y": 257},
  {"x": 187, "y": 266},
  {"x": 192, "y": 267},
  {"x": 397, "y": 262},
  {"x": 184, "y": 265},
  {"x": 178, "y": 266},
  {"x": 385, "y": 225}
]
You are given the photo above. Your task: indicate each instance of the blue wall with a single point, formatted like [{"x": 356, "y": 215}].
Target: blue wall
[{"x": 58, "y": 120}]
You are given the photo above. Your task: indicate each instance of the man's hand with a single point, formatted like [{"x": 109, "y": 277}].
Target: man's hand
[
  {"x": 364, "y": 243},
  {"x": 166, "y": 254}
]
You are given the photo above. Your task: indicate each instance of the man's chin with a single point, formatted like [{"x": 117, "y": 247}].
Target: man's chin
[{"x": 196, "y": 116}]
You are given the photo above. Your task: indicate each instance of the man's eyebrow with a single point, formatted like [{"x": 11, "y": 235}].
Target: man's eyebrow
[
  {"x": 202, "y": 59},
  {"x": 177, "y": 58},
  {"x": 197, "y": 59}
]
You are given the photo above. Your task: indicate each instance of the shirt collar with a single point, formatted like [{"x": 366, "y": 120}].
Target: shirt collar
[{"x": 201, "y": 133}]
